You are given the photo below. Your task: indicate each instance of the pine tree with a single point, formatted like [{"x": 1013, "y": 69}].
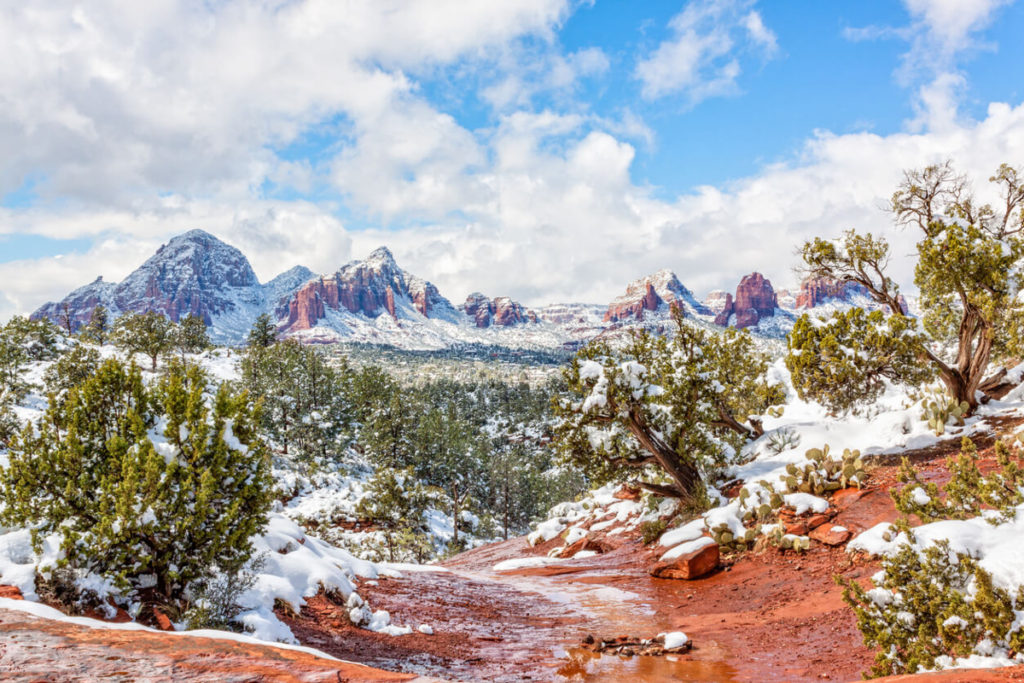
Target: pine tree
[
  {"x": 306, "y": 413},
  {"x": 263, "y": 332},
  {"x": 396, "y": 503},
  {"x": 151, "y": 333},
  {"x": 130, "y": 502},
  {"x": 97, "y": 330}
]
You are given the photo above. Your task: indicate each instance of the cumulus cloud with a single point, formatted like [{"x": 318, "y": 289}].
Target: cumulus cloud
[
  {"x": 150, "y": 121},
  {"x": 701, "y": 59},
  {"x": 565, "y": 222}
]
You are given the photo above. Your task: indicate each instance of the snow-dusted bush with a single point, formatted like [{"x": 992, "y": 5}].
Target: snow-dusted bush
[
  {"x": 933, "y": 605},
  {"x": 967, "y": 492},
  {"x": 147, "y": 487}
]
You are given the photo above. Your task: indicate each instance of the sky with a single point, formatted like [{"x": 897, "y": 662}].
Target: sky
[{"x": 549, "y": 150}]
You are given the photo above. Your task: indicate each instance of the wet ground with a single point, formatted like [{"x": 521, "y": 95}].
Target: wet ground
[{"x": 770, "y": 616}]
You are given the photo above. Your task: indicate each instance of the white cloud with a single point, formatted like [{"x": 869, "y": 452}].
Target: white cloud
[
  {"x": 106, "y": 101},
  {"x": 939, "y": 34},
  {"x": 562, "y": 222},
  {"x": 702, "y": 58}
]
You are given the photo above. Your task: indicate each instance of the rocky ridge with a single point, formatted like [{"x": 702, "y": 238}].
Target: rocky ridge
[{"x": 374, "y": 300}]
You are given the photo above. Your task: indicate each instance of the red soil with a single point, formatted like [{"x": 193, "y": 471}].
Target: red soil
[
  {"x": 768, "y": 616},
  {"x": 35, "y": 649}
]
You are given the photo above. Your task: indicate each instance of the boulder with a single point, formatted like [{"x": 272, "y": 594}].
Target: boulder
[
  {"x": 691, "y": 565},
  {"x": 11, "y": 592}
]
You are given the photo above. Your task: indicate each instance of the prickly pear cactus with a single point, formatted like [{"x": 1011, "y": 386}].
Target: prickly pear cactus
[
  {"x": 824, "y": 473},
  {"x": 940, "y": 410}
]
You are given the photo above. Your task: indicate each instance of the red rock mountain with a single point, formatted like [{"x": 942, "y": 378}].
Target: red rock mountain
[
  {"x": 501, "y": 311},
  {"x": 655, "y": 292},
  {"x": 371, "y": 287},
  {"x": 194, "y": 273},
  {"x": 755, "y": 299}
]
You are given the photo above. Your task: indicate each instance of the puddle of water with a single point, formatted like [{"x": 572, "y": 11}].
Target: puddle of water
[
  {"x": 584, "y": 665},
  {"x": 615, "y": 611}
]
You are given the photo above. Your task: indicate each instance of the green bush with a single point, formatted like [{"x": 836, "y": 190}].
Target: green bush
[
  {"x": 162, "y": 485},
  {"x": 931, "y": 604},
  {"x": 968, "y": 491},
  {"x": 651, "y": 531}
]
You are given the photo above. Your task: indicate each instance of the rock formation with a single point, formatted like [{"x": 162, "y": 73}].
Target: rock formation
[
  {"x": 501, "y": 311},
  {"x": 371, "y": 287},
  {"x": 754, "y": 300},
  {"x": 659, "y": 291}
]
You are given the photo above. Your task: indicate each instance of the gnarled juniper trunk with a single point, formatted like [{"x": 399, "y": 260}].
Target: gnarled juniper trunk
[{"x": 688, "y": 482}]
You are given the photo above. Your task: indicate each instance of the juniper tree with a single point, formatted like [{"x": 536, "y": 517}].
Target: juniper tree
[
  {"x": 150, "y": 333},
  {"x": 133, "y": 502},
  {"x": 670, "y": 407},
  {"x": 190, "y": 335},
  {"x": 97, "y": 330},
  {"x": 396, "y": 503},
  {"x": 305, "y": 413},
  {"x": 969, "y": 278}
]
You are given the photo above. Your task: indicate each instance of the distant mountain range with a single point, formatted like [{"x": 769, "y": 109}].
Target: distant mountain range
[{"x": 376, "y": 301}]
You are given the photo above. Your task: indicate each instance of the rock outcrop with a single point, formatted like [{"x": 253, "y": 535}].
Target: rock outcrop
[
  {"x": 501, "y": 311},
  {"x": 660, "y": 291},
  {"x": 817, "y": 291},
  {"x": 371, "y": 287},
  {"x": 754, "y": 300}
]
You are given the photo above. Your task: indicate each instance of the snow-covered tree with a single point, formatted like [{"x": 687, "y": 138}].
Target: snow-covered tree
[
  {"x": 150, "y": 333},
  {"x": 670, "y": 407},
  {"x": 969, "y": 275}
]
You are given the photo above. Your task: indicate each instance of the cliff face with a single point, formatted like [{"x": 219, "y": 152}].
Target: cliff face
[
  {"x": 755, "y": 300},
  {"x": 501, "y": 311},
  {"x": 662, "y": 290},
  {"x": 372, "y": 287}
]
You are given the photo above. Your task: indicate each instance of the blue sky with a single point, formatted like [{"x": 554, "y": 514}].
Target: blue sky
[{"x": 547, "y": 149}]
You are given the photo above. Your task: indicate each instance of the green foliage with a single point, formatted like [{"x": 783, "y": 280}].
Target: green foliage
[
  {"x": 931, "y": 604},
  {"x": 150, "y": 333},
  {"x": 263, "y": 332},
  {"x": 843, "y": 363},
  {"x": 97, "y": 330},
  {"x": 396, "y": 503},
  {"x": 71, "y": 369},
  {"x": 967, "y": 492},
  {"x": 824, "y": 473},
  {"x": 967, "y": 272},
  {"x": 667, "y": 407},
  {"x": 305, "y": 412},
  {"x": 190, "y": 335},
  {"x": 23, "y": 341},
  {"x": 651, "y": 531},
  {"x": 128, "y": 507},
  {"x": 783, "y": 439},
  {"x": 213, "y": 600}
]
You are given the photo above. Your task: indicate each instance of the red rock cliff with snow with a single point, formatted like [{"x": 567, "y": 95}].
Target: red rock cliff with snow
[{"x": 755, "y": 299}]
